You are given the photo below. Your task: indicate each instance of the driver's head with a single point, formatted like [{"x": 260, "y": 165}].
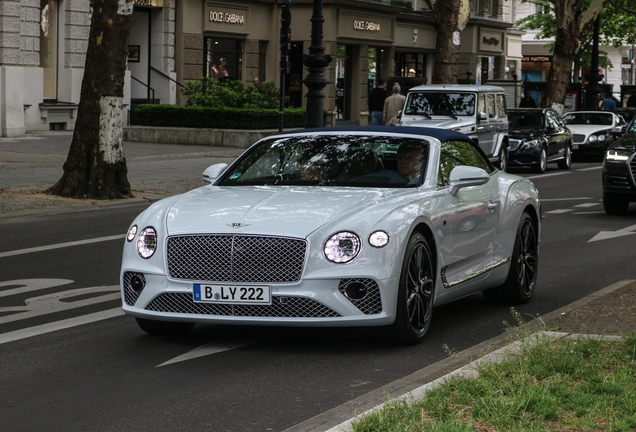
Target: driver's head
[{"x": 409, "y": 159}]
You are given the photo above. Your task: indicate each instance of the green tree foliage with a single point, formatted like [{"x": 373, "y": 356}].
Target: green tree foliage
[{"x": 208, "y": 92}]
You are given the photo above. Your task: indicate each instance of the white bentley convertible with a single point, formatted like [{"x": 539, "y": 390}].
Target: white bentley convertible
[{"x": 358, "y": 226}]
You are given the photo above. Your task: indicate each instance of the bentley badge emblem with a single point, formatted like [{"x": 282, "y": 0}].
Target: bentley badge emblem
[{"x": 237, "y": 225}]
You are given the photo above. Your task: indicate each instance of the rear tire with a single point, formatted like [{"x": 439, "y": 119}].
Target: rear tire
[
  {"x": 522, "y": 277},
  {"x": 164, "y": 328},
  {"x": 566, "y": 162},
  {"x": 614, "y": 205},
  {"x": 415, "y": 293}
]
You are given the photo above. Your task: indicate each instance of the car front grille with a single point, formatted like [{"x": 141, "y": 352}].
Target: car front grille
[
  {"x": 578, "y": 138},
  {"x": 236, "y": 258},
  {"x": 371, "y": 303},
  {"x": 281, "y": 307},
  {"x": 617, "y": 182},
  {"x": 632, "y": 168}
]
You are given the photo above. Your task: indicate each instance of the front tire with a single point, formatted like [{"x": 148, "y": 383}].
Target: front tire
[
  {"x": 164, "y": 328},
  {"x": 614, "y": 205},
  {"x": 415, "y": 293},
  {"x": 503, "y": 159},
  {"x": 542, "y": 163},
  {"x": 566, "y": 162},
  {"x": 522, "y": 277}
]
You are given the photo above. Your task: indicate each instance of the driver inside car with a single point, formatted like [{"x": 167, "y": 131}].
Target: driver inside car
[{"x": 409, "y": 161}]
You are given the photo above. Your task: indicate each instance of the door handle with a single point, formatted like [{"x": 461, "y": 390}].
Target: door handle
[{"x": 492, "y": 205}]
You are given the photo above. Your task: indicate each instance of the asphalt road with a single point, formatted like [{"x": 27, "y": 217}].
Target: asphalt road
[{"x": 69, "y": 361}]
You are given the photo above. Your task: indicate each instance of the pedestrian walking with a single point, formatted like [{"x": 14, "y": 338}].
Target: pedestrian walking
[
  {"x": 376, "y": 103},
  {"x": 608, "y": 104},
  {"x": 392, "y": 107}
]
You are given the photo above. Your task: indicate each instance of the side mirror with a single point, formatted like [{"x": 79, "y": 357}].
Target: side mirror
[
  {"x": 399, "y": 114},
  {"x": 213, "y": 172},
  {"x": 464, "y": 176},
  {"x": 483, "y": 116}
]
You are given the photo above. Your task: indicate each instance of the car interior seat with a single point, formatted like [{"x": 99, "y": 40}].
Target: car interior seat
[{"x": 360, "y": 161}]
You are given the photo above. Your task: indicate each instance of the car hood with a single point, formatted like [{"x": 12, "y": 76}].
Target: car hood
[
  {"x": 524, "y": 134},
  {"x": 627, "y": 142},
  {"x": 436, "y": 122},
  {"x": 293, "y": 211},
  {"x": 588, "y": 129}
]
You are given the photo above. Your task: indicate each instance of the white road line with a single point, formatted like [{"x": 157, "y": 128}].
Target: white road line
[
  {"x": 559, "y": 211},
  {"x": 592, "y": 212},
  {"x": 547, "y": 175},
  {"x": 59, "y": 325},
  {"x": 589, "y": 169},
  {"x": 566, "y": 199},
  {"x": 587, "y": 205},
  {"x": 209, "y": 349},
  {"x": 61, "y": 245}
]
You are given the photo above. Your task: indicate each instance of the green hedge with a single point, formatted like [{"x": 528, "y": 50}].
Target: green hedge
[{"x": 215, "y": 118}]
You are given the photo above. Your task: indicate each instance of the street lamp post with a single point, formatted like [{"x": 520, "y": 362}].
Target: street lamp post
[
  {"x": 316, "y": 61},
  {"x": 593, "y": 89}
]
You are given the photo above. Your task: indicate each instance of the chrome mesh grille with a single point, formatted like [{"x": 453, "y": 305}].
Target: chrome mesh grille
[
  {"x": 130, "y": 296},
  {"x": 578, "y": 138},
  {"x": 236, "y": 258},
  {"x": 281, "y": 307},
  {"x": 371, "y": 303}
]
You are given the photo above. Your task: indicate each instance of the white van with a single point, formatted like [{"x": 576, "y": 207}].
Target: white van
[{"x": 479, "y": 111}]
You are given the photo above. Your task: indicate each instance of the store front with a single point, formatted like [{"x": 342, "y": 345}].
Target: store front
[{"x": 482, "y": 52}]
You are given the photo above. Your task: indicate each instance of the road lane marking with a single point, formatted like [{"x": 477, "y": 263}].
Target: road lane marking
[
  {"x": 52, "y": 303},
  {"x": 26, "y": 285},
  {"x": 59, "y": 325},
  {"x": 61, "y": 245},
  {"x": 211, "y": 348},
  {"x": 566, "y": 199},
  {"x": 589, "y": 169},
  {"x": 559, "y": 211},
  {"x": 587, "y": 205},
  {"x": 604, "y": 235},
  {"x": 546, "y": 175},
  {"x": 588, "y": 213}
]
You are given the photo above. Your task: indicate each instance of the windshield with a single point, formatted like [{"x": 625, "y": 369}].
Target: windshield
[
  {"x": 603, "y": 119},
  {"x": 332, "y": 160},
  {"x": 437, "y": 103},
  {"x": 528, "y": 121}
]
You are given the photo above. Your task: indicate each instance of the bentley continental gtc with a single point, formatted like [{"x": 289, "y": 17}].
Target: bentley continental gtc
[{"x": 357, "y": 226}]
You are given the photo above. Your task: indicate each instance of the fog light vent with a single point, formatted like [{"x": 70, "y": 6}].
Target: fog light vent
[
  {"x": 134, "y": 283},
  {"x": 363, "y": 293}
]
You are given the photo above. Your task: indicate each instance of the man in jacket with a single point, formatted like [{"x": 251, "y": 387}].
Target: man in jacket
[
  {"x": 392, "y": 107},
  {"x": 376, "y": 103}
]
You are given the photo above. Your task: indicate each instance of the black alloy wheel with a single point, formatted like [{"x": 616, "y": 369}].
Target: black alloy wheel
[
  {"x": 566, "y": 162},
  {"x": 164, "y": 328},
  {"x": 415, "y": 293},
  {"x": 522, "y": 277}
]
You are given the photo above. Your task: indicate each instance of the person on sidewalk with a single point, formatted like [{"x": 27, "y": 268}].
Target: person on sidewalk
[
  {"x": 392, "y": 107},
  {"x": 608, "y": 104},
  {"x": 376, "y": 103}
]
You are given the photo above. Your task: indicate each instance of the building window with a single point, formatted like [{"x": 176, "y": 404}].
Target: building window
[
  {"x": 48, "y": 46},
  {"x": 262, "y": 55},
  {"x": 223, "y": 55},
  {"x": 410, "y": 65}
]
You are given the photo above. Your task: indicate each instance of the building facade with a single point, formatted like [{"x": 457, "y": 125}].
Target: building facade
[{"x": 43, "y": 45}]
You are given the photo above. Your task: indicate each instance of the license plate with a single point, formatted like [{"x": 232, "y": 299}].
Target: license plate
[
  {"x": 575, "y": 147},
  {"x": 235, "y": 294}
]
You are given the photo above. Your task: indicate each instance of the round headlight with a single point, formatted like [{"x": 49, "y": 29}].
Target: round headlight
[
  {"x": 147, "y": 242},
  {"x": 602, "y": 137},
  {"x": 378, "y": 239},
  {"x": 131, "y": 233},
  {"x": 593, "y": 138},
  {"x": 342, "y": 247}
]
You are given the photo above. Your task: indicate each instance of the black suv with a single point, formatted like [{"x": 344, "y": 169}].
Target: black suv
[
  {"x": 619, "y": 171},
  {"x": 538, "y": 136}
]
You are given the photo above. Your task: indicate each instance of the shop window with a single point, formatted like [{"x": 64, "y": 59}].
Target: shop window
[
  {"x": 48, "y": 46},
  {"x": 294, "y": 79},
  {"x": 262, "y": 56},
  {"x": 343, "y": 82},
  {"x": 410, "y": 64},
  {"x": 223, "y": 55}
]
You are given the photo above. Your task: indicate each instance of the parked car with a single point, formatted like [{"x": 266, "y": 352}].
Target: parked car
[
  {"x": 479, "y": 111},
  {"x": 619, "y": 169},
  {"x": 628, "y": 113},
  {"x": 538, "y": 136},
  {"x": 593, "y": 131},
  {"x": 335, "y": 227}
]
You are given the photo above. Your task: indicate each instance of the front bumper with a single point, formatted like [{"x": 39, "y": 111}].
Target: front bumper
[
  {"x": 317, "y": 302},
  {"x": 588, "y": 148},
  {"x": 618, "y": 178},
  {"x": 526, "y": 157}
]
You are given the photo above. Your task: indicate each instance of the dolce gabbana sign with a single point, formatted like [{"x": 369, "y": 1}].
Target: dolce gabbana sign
[
  {"x": 226, "y": 18},
  {"x": 366, "y": 26}
]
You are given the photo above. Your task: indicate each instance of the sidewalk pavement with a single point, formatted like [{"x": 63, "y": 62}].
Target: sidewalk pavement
[{"x": 30, "y": 164}]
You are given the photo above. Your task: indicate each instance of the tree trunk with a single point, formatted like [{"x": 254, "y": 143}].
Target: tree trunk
[
  {"x": 568, "y": 21},
  {"x": 446, "y": 13},
  {"x": 96, "y": 167}
]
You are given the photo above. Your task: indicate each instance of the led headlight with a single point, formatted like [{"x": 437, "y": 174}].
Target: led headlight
[
  {"x": 342, "y": 247},
  {"x": 378, "y": 239},
  {"x": 530, "y": 144},
  {"x": 131, "y": 233},
  {"x": 147, "y": 242},
  {"x": 617, "y": 155}
]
